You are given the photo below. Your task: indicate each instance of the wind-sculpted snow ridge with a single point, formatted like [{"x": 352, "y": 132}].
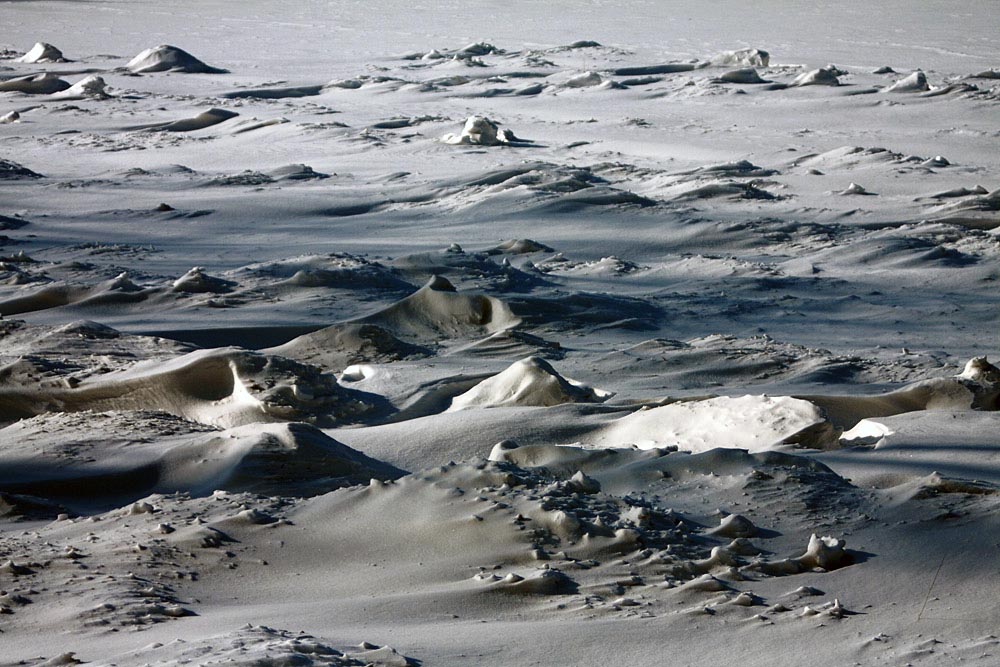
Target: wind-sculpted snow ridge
[
  {"x": 331, "y": 270},
  {"x": 551, "y": 189},
  {"x": 90, "y": 87},
  {"x": 259, "y": 646},
  {"x": 438, "y": 312},
  {"x": 201, "y": 121},
  {"x": 40, "y": 287},
  {"x": 972, "y": 209},
  {"x": 53, "y": 296},
  {"x": 119, "y": 292},
  {"x": 852, "y": 157},
  {"x": 761, "y": 423},
  {"x": 743, "y": 58},
  {"x": 976, "y": 388},
  {"x": 747, "y": 75},
  {"x": 221, "y": 387},
  {"x": 694, "y": 423},
  {"x": 914, "y": 83},
  {"x": 712, "y": 361},
  {"x": 824, "y": 76},
  {"x": 10, "y": 170},
  {"x": 533, "y": 528},
  {"x": 34, "y": 84},
  {"x": 42, "y": 52},
  {"x": 529, "y": 382},
  {"x": 484, "y": 267},
  {"x": 338, "y": 346},
  {"x": 166, "y": 58},
  {"x": 37, "y": 354},
  {"x": 481, "y": 131},
  {"x": 107, "y": 458}
]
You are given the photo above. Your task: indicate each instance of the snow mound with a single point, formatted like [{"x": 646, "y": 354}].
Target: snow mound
[
  {"x": 35, "y": 84},
  {"x": 202, "y": 121},
  {"x": 437, "y": 311},
  {"x": 196, "y": 281},
  {"x": 42, "y": 52},
  {"x": 823, "y": 76},
  {"x": 121, "y": 463},
  {"x": 335, "y": 270},
  {"x": 976, "y": 388},
  {"x": 481, "y": 131},
  {"x": 119, "y": 289},
  {"x": 855, "y": 189},
  {"x": 297, "y": 172},
  {"x": 914, "y": 83},
  {"x": 92, "y": 86},
  {"x": 341, "y": 345},
  {"x": 753, "y": 423},
  {"x": 734, "y": 526},
  {"x": 223, "y": 387},
  {"x": 166, "y": 58},
  {"x": 480, "y": 49},
  {"x": 11, "y": 170},
  {"x": 529, "y": 382},
  {"x": 288, "y": 459},
  {"x": 823, "y": 553},
  {"x": 519, "y": 247},
  {"x": 584, "y": 80},
  {"x": 747, "y": 75},
  {"x": 743, "y": 58},
  {"x": 850, "y": 157}
]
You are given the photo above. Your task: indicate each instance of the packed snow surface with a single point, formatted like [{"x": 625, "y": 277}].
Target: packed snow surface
[{"x": 336, "y": 333}]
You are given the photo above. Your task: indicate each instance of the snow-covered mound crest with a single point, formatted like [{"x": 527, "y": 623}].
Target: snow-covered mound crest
[
  {"x": 166, "y": 58},
  {"x": 437, "y": 311},
  {"x": 529, "y": 382},
  {"x": 754, "y": 423},
  {"x": 223, "y": 387},
  {"x": 481, "y": 131},
  {"x": 42, "y": 52}
]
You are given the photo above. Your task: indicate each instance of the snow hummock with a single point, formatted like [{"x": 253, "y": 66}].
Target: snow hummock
[
  {"x": 438, "y": 311},
  {"x": 91, "y": 86},
  {"x": 914, "y": 83},
  {"x": 754, "y": 423},
  {"x": 584, "y": 80},
  {"x": 743, "y": 58},
  {"x": 823, "y": 76},
  {"x": 196, "y": 281},
  {"x": 42, "y": 52},
  {"x": 34, "y": 84},
  {"x": 529, "y": 382},
  {"x": 747, "y": 75},
  {"x": 166, "y": 58},
  {"x": 855, "y": 189},
  {"x": 481, "y": 131}
]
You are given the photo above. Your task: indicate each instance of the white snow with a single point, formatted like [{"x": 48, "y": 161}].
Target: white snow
[{"x": 556, "y": 333}]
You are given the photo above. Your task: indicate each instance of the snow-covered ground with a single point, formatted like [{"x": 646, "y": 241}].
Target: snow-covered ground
[{"x": 550, "y": 333}]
